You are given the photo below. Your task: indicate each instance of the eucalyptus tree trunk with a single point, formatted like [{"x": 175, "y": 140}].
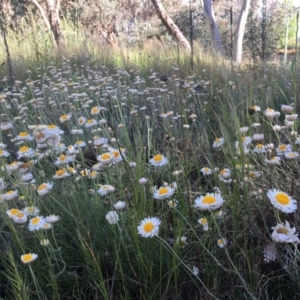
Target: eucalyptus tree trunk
[
  {"x": 215, "y": 38},
  {"x": 237, "y": 50},
  {"x": 51, "y": 19},
  {"x": 170, "y": 25}
]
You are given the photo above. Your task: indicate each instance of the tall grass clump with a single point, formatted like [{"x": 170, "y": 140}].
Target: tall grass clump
[{"x": 128, "y": 176}]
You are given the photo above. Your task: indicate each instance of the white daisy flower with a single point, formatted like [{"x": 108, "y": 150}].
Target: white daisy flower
[
  {"x": 27, "y": 176},
  {"x": 63, "y": 160},
  {"x": 36, "y": 223},
  {"x": 90, "y": 123},
  {"x": 10, "y": 195},
  {"x": 4, "y": 153},
  {"x": 120, "y": 205},
  {"x": 206, "y": 171},
  {"x": 31, "y": 211},
  {"x": 182, "y": 241},
  {"x": 20, "y": 218},
  {"x": 282, "y": 148},
  {"x": 284, "y": 234},
  {"x": 25, "y": 152},
  {"x": 28, "y": 258},
  {"x": 149, "y": 227},
  {"x": 270, "y": 113},
  {"x": 222, "y": 242},
  {"x": 259, "y": 148},
  {"x": 4, "y": 126},
  {"x": 117, "y": 154},
  {"x": 218, "y": 142},
  {"x": 65, "y": 118},
  {"x": 52, "y": 218},
  {"x": 105, "y": 189},
  {"x": 81, "y": 121},
  {"x": 158, "y": 160},
  {"x": 282, "y": 201},
  {"x": 163, "y": 192},
  {"x": 24, "y": 136},
  {"x": 44, "y": 188},
  {"x": 80, "y": 144},
  {"x": 61, "y": 174},
  {"x": 204, "y": 223},
  {"x": 112, "y": 217},
  {"x": 51, "y": 130},
  {"x": 211, "y": 201},
  {"x": 274, "y": 161},
  {"x": 290, "y": 155},
  {"x": 105, "y": 158},
  {"x": 12, "y": 212},
  {"x": 99, "y": 141},
  {"x": 287, "y": 109}
]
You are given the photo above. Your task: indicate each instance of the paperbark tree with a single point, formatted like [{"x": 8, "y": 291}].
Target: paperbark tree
[
  {"x": 51, "y": 19},
  {"x": 237, "y": 50},
  {"x": 170, "y": 25},
  {"x": 208, "y": 10}
]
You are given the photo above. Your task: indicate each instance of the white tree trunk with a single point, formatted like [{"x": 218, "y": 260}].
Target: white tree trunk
[
  {"x": 208, "y": 10},
  {"x": 237, "y": 50}
]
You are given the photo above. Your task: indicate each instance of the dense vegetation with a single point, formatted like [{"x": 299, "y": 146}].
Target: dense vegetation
[{"x": 124, "y": 174}]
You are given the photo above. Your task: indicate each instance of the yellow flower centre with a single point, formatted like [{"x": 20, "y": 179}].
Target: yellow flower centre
[
  {"x": 291, "y": 154},
  {"x": 35, "y": 221},
  {"x": 116, "y": 154},
  {"x": 282, "y": 198},
  {"x": 252, "y": 175},
  {"x": 163, "y": 191},
  {"x": 217, "y": 140},
  {"x": 282, "y": 230},
  {"x": 1, "y": 151},
  {"x": 62, "y": 157},
  {"x": 43, "y": 186},
  {"x": 220, "y": 242},
  {"x": 243, "y": 138},
  {"x": 95, "y": 109},
  {"x": 78, "y": 142},
  {"x": 203, "y": 221},
  {"x": 222, "y": 172},
  {"x": 9, "y": 192},
  {"x": 148, "y": 227},
  {"x": 90, "y": 121},
  {"x": 27, "y": 257},
  {"x": 259, "y": 146},
  {"x": 105, "y": 156},
  {"x": 282, "y": 147},
  {"x": 269, "y": 110},
  {"x": 60, "y": 172},
  {"x": 24, "y": 149},
  {"x": 93, "y": 174},
  {"x": 209, "y": 200},
  {"x": 23, "y": 134},
  {"x": 274, "y": 158},
  {"x": 14, "y": 211},
  {"x": 206, "y": 169},
  {"x": 157, "y": 158},
  {"x": 80, "y": 120},
  {"x": 51, "y": 126},
  {"x": 20, "y": 215}
]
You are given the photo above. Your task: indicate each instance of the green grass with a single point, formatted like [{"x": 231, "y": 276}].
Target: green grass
[{"x": 89, "y": 258}]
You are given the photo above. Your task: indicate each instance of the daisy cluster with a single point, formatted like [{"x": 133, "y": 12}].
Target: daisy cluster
[{"x": 84, "y": 121}]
